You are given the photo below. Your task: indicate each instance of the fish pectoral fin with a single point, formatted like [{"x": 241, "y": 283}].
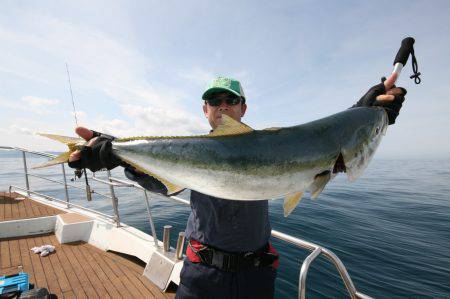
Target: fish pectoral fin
[
  {"x": 319, "y": 183},
  {"x": 290, "y": 202},
  {"x": 63, "y": 158},
  {"x": 171, "y": 188},
  {"x": 229, "y": 126}
]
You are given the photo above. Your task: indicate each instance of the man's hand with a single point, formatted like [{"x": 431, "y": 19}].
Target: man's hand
[
  {"x": 385, "y": 95},
  {"x": 96, "y": 154}
]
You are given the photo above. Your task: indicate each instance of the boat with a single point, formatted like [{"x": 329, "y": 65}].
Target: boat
[{"x": 96, "y": 254}]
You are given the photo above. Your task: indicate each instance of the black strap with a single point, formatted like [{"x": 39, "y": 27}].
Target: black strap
[
  {"x": 230, "y": 261},
  {"x": 415, "y": 68}
]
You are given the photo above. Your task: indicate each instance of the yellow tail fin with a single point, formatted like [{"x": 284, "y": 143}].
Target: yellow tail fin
[
  {"x": 63, "y": 139},
  {"x": 71, "y": 142},
  {"x": 63, "y": 158}
]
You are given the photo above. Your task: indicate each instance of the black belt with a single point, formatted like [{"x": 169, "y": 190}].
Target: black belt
[{"x": 235, "y": 261}]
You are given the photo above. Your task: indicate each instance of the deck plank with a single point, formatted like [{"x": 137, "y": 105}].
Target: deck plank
[
  {"x": 72, "y": 277},
  {"x": 29, "y": 209},
  {"x": 26, "y": 260},
  {"x": 7, "y": 207},
  {"x": 14, "y": 253},
  {"x": 22, "y": 209},
  {"x": 4, "y": 254},
  {"x": 122, "y": 278},
  {"x": 78, "y": 269},
  {"x": 38, "y": 271},
  {"x": 91, "y": 274},
  {"x": 123, "y": 262},
  {"x": 57, "y": 268},
  {"x": 134, "y": 275},
  {"x": 12, "y": 209},
  {"x": 112, "y": 283},
  {"x": 50, "y": 273}
]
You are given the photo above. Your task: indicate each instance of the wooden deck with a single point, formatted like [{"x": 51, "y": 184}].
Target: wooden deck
[
  {"x": 12, "y": 208},
  {"x": 74, "y": 270}
]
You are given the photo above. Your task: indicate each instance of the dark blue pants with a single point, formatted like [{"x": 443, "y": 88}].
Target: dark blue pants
[{"x": 202, "y": 281}]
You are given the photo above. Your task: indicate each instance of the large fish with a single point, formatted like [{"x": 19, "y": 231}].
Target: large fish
[{"x": 238, "y": 163}]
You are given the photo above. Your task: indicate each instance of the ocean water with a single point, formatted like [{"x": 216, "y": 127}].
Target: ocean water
[{"x": 390, "y": 228}]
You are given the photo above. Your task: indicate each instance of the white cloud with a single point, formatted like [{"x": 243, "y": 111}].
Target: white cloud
[
  {"x": 18, "y": 106},
  {"x": 197, "y": 75},
  {"x": 115, "y": 127},
  {"x": 160, "y": 121},
  {"x": 15, "y": 129},
  {"x": 35, "y": 101}
]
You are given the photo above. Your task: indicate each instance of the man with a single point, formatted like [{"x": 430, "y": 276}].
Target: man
[{"x": 228, "y": 254}]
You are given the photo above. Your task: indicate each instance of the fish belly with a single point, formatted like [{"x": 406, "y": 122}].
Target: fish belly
[{"x": 228, "y": 184}]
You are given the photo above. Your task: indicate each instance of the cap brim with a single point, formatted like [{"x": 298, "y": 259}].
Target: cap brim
[{"x": 210, "y": 91}]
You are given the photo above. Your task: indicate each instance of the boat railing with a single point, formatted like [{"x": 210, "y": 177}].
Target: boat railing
[{"x": 112, "y": 182}]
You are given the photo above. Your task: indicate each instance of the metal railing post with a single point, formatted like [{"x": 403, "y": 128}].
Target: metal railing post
[
  {"x": 65, "y": 185},
  {"x": 150, "y": 219},
  {"x": 114, "y": 200},
  {"x": 166, "y": 238},
  {"x": 180, "y": 245},
  {"x": 304, "y": 272},
  {"x": 25, "y": 168},
  {"x": 342, "y": 272}
]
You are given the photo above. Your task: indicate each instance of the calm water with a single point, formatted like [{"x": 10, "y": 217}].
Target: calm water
[{"x": 391, "y": 227}]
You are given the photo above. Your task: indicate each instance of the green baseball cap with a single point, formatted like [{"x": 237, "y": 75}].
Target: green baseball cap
[{"x": 223, "y": 84}]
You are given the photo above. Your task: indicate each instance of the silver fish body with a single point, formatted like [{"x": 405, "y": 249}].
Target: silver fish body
[{"x": 262, "y": 164}]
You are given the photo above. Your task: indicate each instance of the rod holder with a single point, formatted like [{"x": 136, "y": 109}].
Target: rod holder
[
  {"x": 88, "y": 193},
  {"x": 166, "y": 237},
  {"x": 180, "y": 245}
]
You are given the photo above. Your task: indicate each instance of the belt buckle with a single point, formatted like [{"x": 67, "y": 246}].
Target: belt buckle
[{"x": 217, "y": 259}]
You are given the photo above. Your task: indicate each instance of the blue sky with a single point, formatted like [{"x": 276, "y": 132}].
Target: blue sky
[{"x": 139, "y": 67}]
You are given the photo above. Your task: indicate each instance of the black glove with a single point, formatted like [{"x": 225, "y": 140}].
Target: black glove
[
  {"x": 392, "y": 107},
  {"x": 97, "y": 156}
]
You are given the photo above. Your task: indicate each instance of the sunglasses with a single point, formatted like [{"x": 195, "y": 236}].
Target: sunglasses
[{"x": 230, "y": 100}]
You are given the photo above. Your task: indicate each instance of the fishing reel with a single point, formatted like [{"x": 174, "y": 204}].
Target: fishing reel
[{"x": 78, "y": 174}]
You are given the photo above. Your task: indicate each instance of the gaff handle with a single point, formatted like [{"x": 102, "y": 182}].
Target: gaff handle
[{"x": 406, "y": 49}]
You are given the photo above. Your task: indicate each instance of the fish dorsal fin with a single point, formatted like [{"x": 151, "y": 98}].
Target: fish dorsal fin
[
  {"x": 290, "y": 202},
  {"x": 272, "y": 129},
  {"x": 171, "y": 188},
  {"x": 229, "y": 126}
]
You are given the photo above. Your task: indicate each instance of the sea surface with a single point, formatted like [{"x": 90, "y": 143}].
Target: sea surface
[{"x": 390, "y": 228}]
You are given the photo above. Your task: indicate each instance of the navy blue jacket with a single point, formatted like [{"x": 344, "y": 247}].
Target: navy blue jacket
[{"x": 229, "y": 225}]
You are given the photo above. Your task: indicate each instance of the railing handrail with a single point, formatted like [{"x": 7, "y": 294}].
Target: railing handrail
[
  {"x": 315, "y": 249},
  {"x": 27, "y": 151}
]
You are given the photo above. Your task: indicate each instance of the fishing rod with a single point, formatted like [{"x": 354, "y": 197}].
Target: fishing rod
[
  {"x": 78, "y": 172},
  {"x": 406, "y": 49}
]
